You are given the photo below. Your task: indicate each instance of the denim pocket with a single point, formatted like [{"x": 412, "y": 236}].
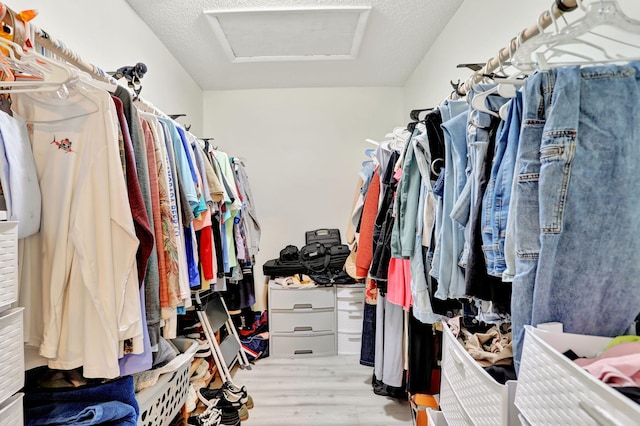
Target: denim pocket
[{"x": 557, "y": 151}]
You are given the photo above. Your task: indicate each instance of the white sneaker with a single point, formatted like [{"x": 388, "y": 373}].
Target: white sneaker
[
  {"x": 204, "y": 349},
  {"x": 192, "y": 399}
]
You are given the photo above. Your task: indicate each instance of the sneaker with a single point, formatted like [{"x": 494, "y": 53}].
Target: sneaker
[
  {"x": 193, "y": 331},
  {"x": 239, "y": 390},
  {"x": 211, "y": 398},
  {"x": 192, "y": 399},
  {"x": 230, "y": 417},
  {"x": 204, "y": 349},
  {"x": 210, "y": 417},
  {"x": 202, "y": 372},
  {"x": 243, "y": 412},
  {"x": 222, "y": 394}
]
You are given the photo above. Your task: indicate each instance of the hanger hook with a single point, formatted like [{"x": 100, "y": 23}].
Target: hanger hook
[
  {"x": 511, "y": 42},
  {"x": 539, "y": 25},
  {"x": 553, "y": 19}
]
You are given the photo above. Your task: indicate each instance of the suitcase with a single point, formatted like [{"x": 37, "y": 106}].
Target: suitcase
[{"x": 326, "y": 237}]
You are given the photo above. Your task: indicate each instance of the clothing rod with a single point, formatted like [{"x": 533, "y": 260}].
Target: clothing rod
[
  {"x": 58, "y": 48},
  {"x": 559, "y": 8}
]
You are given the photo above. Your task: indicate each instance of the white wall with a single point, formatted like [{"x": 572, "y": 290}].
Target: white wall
[
  {"x": 478, "y": 30},
  {"x": 303, "y": 150},
  {"x": 110, "y": 34}
]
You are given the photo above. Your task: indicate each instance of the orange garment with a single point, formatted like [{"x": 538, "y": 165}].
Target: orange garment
[
  {"x": 369, "y": 213},
  {"x": 155, "y": 208}
]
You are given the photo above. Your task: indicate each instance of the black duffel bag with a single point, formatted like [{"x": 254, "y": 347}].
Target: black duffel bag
[
  {"x": 278, "y": 268},
  {"x": 315, "y": 258},
  {"x": 338, "y": 256},
  {"x": 329, "y": 278},
  {"x": 286, "y": 265}
]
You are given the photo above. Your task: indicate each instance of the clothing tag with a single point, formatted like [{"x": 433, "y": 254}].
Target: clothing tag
[
  {"x": 5, "y": 103},
  {"x": 128, "y": 346}
]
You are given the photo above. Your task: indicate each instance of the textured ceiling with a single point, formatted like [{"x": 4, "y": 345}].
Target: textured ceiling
[{"x": 396, "y": 38}]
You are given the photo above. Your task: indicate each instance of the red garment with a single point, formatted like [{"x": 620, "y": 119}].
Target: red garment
[
  {"x": 206, "y": 252},
  {"x": 364, "y": 255},
  {"x": 155, "y": 207},
  {"x": 136, "y": 202},
  {"x": 399, "y": 283}
]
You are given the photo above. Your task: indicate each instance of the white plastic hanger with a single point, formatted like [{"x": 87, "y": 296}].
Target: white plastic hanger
[
  {"x": 45, "y": 74},
  {"x": 543, "y": 51}
]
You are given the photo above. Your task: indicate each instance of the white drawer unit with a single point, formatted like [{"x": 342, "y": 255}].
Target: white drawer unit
[
  {"x": 350, "y": 312},
  {"x": 468, "y": 394},
  {"x": 11, "y": 411},
  {"x": 311, "y": 344},
  {"x": 8, "y": 263},
  {"x": 11, "y": 353},
  {"x": 553, "y": 390},
  {"x": 299, "y": 299},
  {"x": 302, "y": 322}
]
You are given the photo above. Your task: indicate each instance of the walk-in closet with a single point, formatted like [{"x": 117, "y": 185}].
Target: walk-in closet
[{"x": 347, "y": 212}]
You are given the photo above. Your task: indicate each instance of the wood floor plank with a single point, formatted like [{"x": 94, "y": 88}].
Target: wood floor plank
[{"x": 317, "y": 391}]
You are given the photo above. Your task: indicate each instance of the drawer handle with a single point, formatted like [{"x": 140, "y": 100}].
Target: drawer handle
[
  {"x": 302, "y": 351},
  {"x": 457, "y": 359},
  {"x": 598, "y": 414},
  {"x": 303, "y": 306},
  {"x": 304, "y": 328}
]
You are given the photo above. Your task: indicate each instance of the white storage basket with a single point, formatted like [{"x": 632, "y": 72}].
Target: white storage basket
[
  {"x": 11, "y": 353},
  {"x": 160, "y": 403},
  {"x": 8, "y": 263},
  {"x": 467, "y": 387},
  {"x": 11, "y": 411},
  {"x": 553, "y": 390}
]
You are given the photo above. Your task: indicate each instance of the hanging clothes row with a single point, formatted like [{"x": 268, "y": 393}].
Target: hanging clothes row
[
  {"x": 122, "y": 214},
  {"x": 486, "y": 208}
]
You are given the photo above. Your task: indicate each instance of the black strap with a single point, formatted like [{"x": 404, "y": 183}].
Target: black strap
[{"x": 564, "y": 8}]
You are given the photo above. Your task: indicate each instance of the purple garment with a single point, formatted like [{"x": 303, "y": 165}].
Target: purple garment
[{"x": 135, "y": 363}]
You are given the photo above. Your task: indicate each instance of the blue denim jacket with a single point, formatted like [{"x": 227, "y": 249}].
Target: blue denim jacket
[{"x": 497, "y": 198}]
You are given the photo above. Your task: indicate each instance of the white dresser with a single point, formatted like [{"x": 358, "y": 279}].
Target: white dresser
[
  {"x": 302, "y": 322},
  {"x": 11, "y": 334},
  {"x": 315, "y": 321},
  {"x": 350, "y": 311}
]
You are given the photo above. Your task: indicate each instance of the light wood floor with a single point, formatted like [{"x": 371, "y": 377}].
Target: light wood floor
[{"x": 317, "y": 391}]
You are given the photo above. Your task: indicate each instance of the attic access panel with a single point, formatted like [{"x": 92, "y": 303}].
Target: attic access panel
[{"x": 266, "y": 35}]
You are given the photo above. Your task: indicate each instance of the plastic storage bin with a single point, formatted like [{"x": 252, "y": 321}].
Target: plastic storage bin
[
  {"x": 11, "y": 353},
  {"x": 552, "y": 390},
  {"x": 8, "y": 263},
  {"x": 160, "y": 403},
  {"x": 468, "y": 394},
  {"x": 11, "y": 411}
]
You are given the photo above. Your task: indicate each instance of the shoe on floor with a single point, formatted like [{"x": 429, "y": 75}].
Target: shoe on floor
[
  {"x": 223, "y": 397},
  {"x": 202, "y": 372},
  {"x": 192, "y": 400},
  {"x": 204, "y": 349},
  {"x": 212, "y": 416},
  {"x": 230, "y": 417},
  {"x": 243, "y": 412},
  {"x": 239, "y": 390}
]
